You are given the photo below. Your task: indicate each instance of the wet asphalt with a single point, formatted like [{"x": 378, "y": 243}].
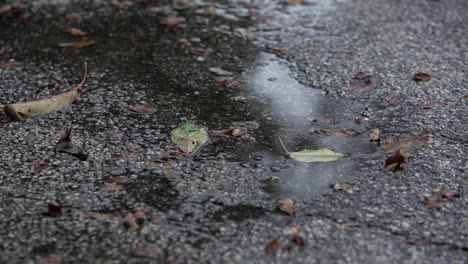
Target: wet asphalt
[{"x": 136, "y": 199}]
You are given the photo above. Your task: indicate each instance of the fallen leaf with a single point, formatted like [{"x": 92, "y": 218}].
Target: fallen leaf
[
  {"x": 375, "y": 134},
  {"x": 395, "y": 162},
  {"x": 319, "y": 155},
  {"x": 340, "y": 132},
  {"x": 5, "y": 9},
  {"x": 189, "y": 137},
  {"x": 448, "y": 193},
  {"x": 272, "y": 247},
  {"x": 101, "y": 216},
  {"x": 53, "y": 210},
  {"x": 368, "y": 85},
  {"x": 173, "y": 22},
  {"x": 287, "y": 206},
  {"x": 296, "y": 237},
  {"x": 392, "y": 97},
  {"x": 416, "y": 242},
  {"x": 435, "y": 104},
  {"x": 17, "y": 111},
  {"x": 66, "y": 146},
  {"x": 219, "y": 71},
  {"x": 406, "y": 142},
  {"x": 330, "y": 121},
  {"x": 76, "y": 32},
  {"x": 433, "y": 201},
  {"x": 361, "y": 76},
  {"x": 226, "y": 81},
  {"x": 142, "y": 109},
  {"x": 72, "y": 17},
  {"x": 422, "y": 77},
  {"x": 184, "y": 42},
  {"x": 77, "y": 45},
  {"x": 274, "y": 49},
  {"x": 341, "y": 187}
]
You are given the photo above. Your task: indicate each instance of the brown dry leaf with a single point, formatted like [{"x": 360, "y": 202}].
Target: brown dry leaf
[
  {"x": 435, "y": 104},
  {"x": 392, "y": 97},
  {"x": 287, "y": 206},
  {"x": 341, "y": 187},
  {"x": 340, "y": 132},
  {"x": 272, "y": 247},
  {"x": 422, "y": 77},
  {"x": 395, "y": 162},
  {"x": 76, "y": 32},
  {"x": 72, "y": 17},
  {"x": 101, "y": 216},
  {"x": 77, "y": 45},
  {"x": 53, "y": 210},
  {"x": 274, "y": 49},
  {"x": 362, "y": 76},
  {"x": 368, "y": 85},
  {"x": 184, "y": 42},
  {"x": 173, "y": 22},
  {"x": 433, "y": 201},
  {"x": 5, "y": 9},
  {"x": 142, "y": 109},
  {"x": 375, "y": 134},
  {"x": 406, "y": 142},
  {"x": 448, "y": 193}
]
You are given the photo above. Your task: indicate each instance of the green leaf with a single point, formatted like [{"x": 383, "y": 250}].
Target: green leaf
[
  {"x": 319, "y": 155},
  {"x": 189, "y": 137}
]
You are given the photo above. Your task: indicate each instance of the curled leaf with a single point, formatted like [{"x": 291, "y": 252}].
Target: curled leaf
[
  {"x": 77, "y": 45},
  {"x": 17, "y": 111},
  {"x": 76, "y": 32},
  {"x": 287, "y": 206}
]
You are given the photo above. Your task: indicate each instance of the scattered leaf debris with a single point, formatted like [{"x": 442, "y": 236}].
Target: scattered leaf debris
[
  {"x": 77, "y": 44},
  {"x": 406, "y": 142},
  {"x": 272, "y": 247},
  {"x": 341, "y": 187},
  {"x": 421, "y": 77},
  {"x": 366, "y": 86},
  {"x": 66, "y": 146},
  {"x": 393, "y": 97},
  {"x": 73, "y": 17},
  {"x": 134, "y": 221},
  {"x": 76, "y": 32},
  {"x": 287, "y": 206},
  {"x": 53, "y": 210},
  {"x": 101, "y": 216},
  {"x": 448, "y": 193},
  {"x": 227, "y": 81},
  {"x": 142, "y": 109},
  {"x": 395, "y": 162},
  {"x": 375, "y": 134},
  {"x": 219, "y": 71}
]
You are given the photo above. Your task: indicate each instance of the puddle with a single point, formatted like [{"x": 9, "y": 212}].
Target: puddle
[
  {"x": 287, "y": 110},
  {"x": 239, "y": 213}
]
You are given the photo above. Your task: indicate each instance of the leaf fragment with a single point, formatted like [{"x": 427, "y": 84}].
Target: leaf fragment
[
  {"x": 77, "y": 44},
  {"x": 219, "y": 71},
  {"x": 375, "y": 134},
  {"x": 392, "y": 97},
  {"x": 272, "y": 247},
  {"x": 406, "y": 142},
  {"x": 227, "y": 81},
  {"x": 421, "y": 77},
  {"x": 395, "y": 162},
  {"x": 142, "y": 109},
  {"x": 362, "y": 76},
  {"x": 66, "y": 146},
  {"x": 76, "y": 32},
  {"x": 341, "y": 187},
  {"x": 287, "y": 206}
]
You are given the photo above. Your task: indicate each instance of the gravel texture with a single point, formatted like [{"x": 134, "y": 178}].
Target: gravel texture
[{"x": 136, "y": 199}]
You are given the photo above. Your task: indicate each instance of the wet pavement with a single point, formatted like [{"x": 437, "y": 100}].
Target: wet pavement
[{"x": 288, "y": 66}]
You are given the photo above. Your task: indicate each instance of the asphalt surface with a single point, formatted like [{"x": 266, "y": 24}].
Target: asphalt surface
[{"x": 136, "y": 199}]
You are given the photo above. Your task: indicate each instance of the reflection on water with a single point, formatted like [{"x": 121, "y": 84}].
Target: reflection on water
[{"x": 287, "y": 110}]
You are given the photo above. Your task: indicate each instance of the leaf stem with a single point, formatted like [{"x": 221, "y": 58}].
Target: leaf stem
[{"x": 285, "y": 149}]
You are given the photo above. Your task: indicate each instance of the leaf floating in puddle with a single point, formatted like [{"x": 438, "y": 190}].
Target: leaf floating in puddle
[
  {"x": 189, "y": 137},
  {"x": 17, "y": 111},
  {"x": 319, "y": 155},
  {"x": 77, "y": 45}
]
